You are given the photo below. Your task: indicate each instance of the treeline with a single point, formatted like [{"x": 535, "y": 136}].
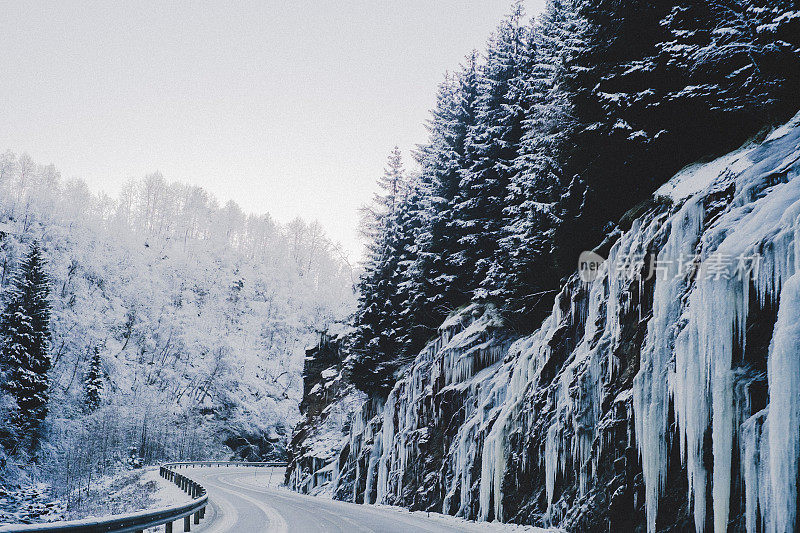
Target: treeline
[{"x": 540, "y": 144}]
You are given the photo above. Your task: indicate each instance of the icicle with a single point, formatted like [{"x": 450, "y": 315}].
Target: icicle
[
  {"x": 650, "y": 387},
  {"x": 752, "y": 468},
  {"x": 386, "y": 440},
  {"x": 784, "y": 409}
]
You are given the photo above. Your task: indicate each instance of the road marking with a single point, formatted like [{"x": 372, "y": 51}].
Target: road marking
[
  {"x": 276, "y": 522},
  {"x": 287, "y": 499}
]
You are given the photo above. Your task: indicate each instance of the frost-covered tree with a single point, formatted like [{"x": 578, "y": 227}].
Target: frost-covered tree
[
  {"x": 392, "y": 187},
  {"x": 491, "y": 147},
  {"x": 384, "y": 325},
  {"x": 528, "y": 272},
  {"x": 659, "y": 85},
  {"x": 189, "y": 366},
  {"x": 93, "y": 382},
  {"x": 439, "y": 285},
  {"x": 25, "y": 349},
  {"x": 734, "y": 56}
]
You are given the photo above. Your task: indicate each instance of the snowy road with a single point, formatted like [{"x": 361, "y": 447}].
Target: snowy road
[{"x": 247, "y": 500}]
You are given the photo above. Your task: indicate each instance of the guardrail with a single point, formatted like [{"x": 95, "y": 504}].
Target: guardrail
[
  {"x": 275, "y": 464},
  {"x": 138, "y": 522}
]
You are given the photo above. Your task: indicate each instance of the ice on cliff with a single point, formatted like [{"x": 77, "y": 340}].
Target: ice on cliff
[{"x": 689, "y": 381}]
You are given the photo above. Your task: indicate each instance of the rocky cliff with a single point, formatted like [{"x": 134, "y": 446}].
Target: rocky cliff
[{"x": 661, "y": 393}]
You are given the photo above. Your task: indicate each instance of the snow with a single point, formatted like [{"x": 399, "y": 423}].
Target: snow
[
  {"x": 687, "y": 366},
  {"x": 787, "y": 128},
  {"x": 329, "y": 373},
  {"x": 698, "y": 176},
  {"x": 165, "y": 494}
]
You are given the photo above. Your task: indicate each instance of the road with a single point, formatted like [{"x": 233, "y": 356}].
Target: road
[{"x": 248, "y": 500}]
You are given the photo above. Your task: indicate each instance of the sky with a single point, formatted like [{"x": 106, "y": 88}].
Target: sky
[{"x": 286, "y": 107}]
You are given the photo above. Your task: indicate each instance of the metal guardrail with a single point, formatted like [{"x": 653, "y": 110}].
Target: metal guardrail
[
  {"x": 139, "y": 521},
  {"x": 275, "y": 464}
]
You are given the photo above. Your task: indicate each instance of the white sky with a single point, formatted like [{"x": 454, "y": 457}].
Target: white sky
[{"x": 285, "y": 107}]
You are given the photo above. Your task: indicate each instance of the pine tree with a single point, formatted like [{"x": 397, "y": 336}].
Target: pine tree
[
  {"x": 491, "y": 147},
  {"x": 733, "y": 57},
  {"x": 439, "y": 286},
  {"x": 25, "y": 351},
  {"x": 529, "y": 274},
  {"x": 659, "y": 85},
  {"x": 392, "y": 187},
  {"x": 383, "y": 332},
  {"x": 93, "y": 383}
]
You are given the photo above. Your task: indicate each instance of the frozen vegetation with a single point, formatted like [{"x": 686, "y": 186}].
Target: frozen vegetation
[
  {"x": 177, "y": 324},
  {"x": 671, "y": 400}
]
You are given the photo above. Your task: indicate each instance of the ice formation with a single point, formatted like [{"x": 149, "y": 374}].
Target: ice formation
[{"x": 565, "y": 406}]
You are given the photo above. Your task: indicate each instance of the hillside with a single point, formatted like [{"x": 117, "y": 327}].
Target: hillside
[
  {"x": 193, "y": 315},
  {"x": 667, "y": 401}
]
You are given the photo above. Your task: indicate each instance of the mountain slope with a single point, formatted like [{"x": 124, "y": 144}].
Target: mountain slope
[
  {"x": 198, "y": 315},
  {"x": 661, "y": 395}
]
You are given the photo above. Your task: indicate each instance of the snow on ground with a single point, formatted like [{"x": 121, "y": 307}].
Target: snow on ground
[
  {"x": 127, "y": 492},
  {"x": 28, "y": 505},
  {"x": 467, "y": 525},
  {"x": 165, "y": 493},
  {"x": 124, "y": 492}
]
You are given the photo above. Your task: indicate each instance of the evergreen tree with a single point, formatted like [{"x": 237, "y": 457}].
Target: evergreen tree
[
  {"x": 491, "y": 147},
  {"x": 383, "y": 331},
  {"x": 392, "y": 187},
  {"x": 25, "y": 351},
  {"x": 93, "y": 383},
  {"x": 659, "y": 85},
  {"x": 439, "y": 286},
  {"x": 533, "y": 154},
  {"x": 530, "y": 275},
  {"x": 733, "y": 57}
]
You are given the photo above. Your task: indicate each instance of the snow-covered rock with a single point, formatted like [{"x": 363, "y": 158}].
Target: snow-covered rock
[{"x": 663, "y": 401}]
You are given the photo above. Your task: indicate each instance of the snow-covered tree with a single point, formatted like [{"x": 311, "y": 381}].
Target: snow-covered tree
[
  {"x": 491, "y": 147},
  {"x": 25, "y": 350},
  {"x": 93, "y": 382},
  {"x": 527, "y": 273},
  {"x": 385, "y": 328},
  {"x": 392, "y": 185},
  {"x": 733, "y": 55},
  {"x": 188, "y": 364},
  {"x": 439, "y": 285}
]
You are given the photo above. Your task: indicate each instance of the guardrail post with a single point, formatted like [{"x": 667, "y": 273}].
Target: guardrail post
[
  {"x": 197, "y": 517},
  {"x": 187, "y": 523},
  {"x": 168, "y": 527}
]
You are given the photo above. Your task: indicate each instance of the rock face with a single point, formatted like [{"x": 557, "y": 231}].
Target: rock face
[
  {"x": 328, "y": 402},
  {"x": 662, "y": 395}
]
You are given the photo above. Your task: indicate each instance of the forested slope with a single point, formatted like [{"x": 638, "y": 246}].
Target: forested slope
[
  {"x": 661, "y": 395},
  {"x": 503, "y": 386},
  {"x": 177, "y": 325}
]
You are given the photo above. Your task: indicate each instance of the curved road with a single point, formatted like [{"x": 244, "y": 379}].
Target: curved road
[{"x": 248, "y": 500}]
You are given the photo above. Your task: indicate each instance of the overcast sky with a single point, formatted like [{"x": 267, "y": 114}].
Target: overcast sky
[{"x": 285, "y": 107}]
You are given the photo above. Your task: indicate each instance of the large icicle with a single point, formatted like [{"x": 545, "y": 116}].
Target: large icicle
[
  {"x": 651, "y": 388},
  {"x": 784, "y": 409}
]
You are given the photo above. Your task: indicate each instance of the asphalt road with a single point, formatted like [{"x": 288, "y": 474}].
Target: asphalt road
[{"x": 248, "y": 500}]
